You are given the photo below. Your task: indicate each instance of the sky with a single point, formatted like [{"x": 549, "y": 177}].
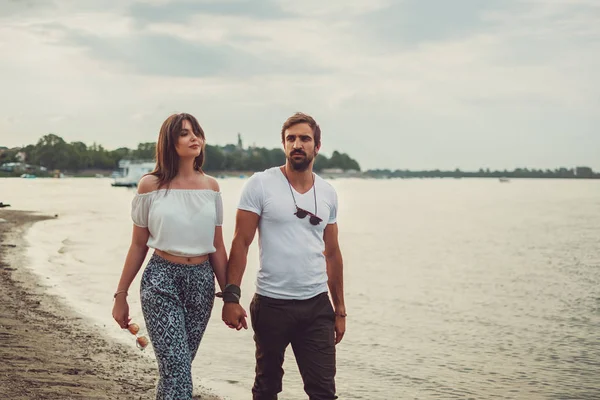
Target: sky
[{"x": 399, "y": 84}]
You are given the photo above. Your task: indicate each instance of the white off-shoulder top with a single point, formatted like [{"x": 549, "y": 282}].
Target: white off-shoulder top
[{"x": 180, "y": 221}]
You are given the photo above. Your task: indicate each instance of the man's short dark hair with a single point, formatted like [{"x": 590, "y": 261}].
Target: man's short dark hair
[{"x": 301, "y": 118}]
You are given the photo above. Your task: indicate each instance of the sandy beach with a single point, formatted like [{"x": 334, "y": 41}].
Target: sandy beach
[{"x": 48, "y": 352}]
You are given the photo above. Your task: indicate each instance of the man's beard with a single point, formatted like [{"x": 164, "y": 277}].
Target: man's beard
[{"x": 302, "y": 164}]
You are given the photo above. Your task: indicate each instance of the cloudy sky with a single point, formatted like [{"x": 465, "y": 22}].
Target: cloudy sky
[{"x": 394, "y": 83}]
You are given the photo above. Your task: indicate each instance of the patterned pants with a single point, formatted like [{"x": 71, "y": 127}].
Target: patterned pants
[{"x": 177, "y": 301}]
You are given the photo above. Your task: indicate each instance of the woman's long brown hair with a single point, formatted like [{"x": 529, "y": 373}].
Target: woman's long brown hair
[{"x": 167, "y": 159}]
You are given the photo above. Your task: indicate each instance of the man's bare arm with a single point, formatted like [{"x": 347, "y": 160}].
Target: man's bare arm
[
  {"x": 246, "y": 223},
  {"x": 335, "y": 275},
  {"x": 335, "y": 267}
]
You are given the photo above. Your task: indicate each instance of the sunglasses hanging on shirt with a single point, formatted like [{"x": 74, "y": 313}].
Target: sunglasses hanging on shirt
[{"x": 301, "y": 212}]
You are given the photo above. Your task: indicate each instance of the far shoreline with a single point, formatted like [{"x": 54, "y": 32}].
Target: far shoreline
[{"x": 326, "y": 175}]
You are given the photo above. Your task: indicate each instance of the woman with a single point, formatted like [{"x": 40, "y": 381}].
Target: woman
[{"x": 178, "y": 212}]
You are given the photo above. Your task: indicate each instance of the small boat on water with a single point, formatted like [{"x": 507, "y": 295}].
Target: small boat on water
[
  {"x": 131, "y": 172},
  {"x": 504, "y": 180}
]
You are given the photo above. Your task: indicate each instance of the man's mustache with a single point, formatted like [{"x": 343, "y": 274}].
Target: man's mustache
[{"x": 300, "y": 152}]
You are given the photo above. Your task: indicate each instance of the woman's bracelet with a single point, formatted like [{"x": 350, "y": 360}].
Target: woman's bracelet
[{"x": 118, "y": 292}]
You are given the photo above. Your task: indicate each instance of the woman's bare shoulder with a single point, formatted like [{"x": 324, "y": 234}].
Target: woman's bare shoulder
[
  {"x": 212, "y": 183},
  {"x": 148, "y": 183}
]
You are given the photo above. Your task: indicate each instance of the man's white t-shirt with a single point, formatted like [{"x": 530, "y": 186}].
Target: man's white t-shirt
[{"x": 292, "y": 263}]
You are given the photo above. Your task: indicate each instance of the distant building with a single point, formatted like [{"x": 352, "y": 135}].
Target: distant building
[
  {"x": 339, "y": 172},
  {"x": 20, "y": 166},
  {"x": 12, "y": 166}
]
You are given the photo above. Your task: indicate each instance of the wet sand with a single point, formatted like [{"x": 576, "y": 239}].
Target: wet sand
[{"x": 46, "y": 351}]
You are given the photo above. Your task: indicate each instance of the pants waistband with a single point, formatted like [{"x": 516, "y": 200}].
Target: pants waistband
[{"x": 156, "y": 257}]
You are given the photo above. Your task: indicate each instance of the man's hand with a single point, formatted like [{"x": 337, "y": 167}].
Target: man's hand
[
  {"x": 234, "y": 316},
  {"x": 340, "y": 328}
]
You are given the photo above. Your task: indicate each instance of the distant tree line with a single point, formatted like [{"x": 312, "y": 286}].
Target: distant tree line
[
  {"x": 51, "y": 151},
  {"x": 564, "y": 173},
  {"x": 54, "y": 153}
]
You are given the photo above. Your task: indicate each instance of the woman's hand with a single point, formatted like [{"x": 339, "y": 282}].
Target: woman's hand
[{"x": 121, "y": 312}]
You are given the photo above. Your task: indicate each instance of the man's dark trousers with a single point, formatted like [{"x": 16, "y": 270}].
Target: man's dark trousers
[{"x": 309, "y": 326}]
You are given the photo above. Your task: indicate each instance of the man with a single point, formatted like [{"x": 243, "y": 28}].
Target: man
[{"x": 295, "y": 212}]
